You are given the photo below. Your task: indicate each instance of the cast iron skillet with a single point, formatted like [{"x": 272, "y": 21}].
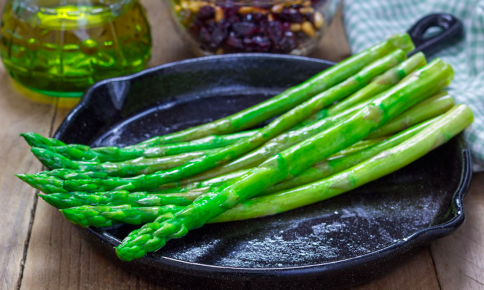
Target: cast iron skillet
[{"x": 329, "y": 245}]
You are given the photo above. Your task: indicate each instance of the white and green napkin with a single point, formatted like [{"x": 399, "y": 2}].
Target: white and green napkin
[{"x": 369, "y": 21}]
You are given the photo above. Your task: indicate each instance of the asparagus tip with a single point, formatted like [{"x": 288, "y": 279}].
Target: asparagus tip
[
  {"x": 53, "y": 160},
  {"x": 34, "y": 139},
  {"x": 43, "y": 183}
]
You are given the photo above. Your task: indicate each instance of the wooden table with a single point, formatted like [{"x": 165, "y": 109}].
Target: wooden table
[{"x": 39, "y": 249}]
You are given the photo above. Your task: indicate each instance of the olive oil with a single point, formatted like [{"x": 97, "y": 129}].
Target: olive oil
[{"x": 60, "y": 50}]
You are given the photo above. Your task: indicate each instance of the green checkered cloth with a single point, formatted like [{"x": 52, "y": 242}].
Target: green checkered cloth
[{"x": 369, "y": 21}]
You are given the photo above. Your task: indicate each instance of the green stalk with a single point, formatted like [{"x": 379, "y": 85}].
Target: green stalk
[
  {"x": 114, "y": 198},
  {"x": 218, "y": 156},
  {"x": 434, "y": 106},
  {"x": 388, "y": 161},
  {"x": 289, "y": 163},
  {"x": 103, "y": 216},
  {"x": 128, "y": 168}
]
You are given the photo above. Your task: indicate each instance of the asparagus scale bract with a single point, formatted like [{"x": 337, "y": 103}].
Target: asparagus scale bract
[{"x": 289, "y": 163}]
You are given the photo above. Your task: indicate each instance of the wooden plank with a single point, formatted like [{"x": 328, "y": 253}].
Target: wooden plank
[
  {"x": 17, "y": 114},
  {"x": 418, "y": 273},
  {"x": 459, "y": 258}
]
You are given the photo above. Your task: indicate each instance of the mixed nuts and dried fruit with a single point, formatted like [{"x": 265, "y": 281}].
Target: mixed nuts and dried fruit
[{"x": 227, "y": 28}]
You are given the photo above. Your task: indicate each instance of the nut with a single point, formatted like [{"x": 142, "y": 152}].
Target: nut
[
  {"x": 193, "y": 6},
  {"x": 220, "y": 51},
  {"x": 177, "y": 8},
  {"x": 305, "y": 10},
  {"x": 295, "y": 27},
  {"x": 246, "y": 10},
  {"x": 307, "y": 28},
  {"x": 277, "y": 8},
  {"x": 306, "y": 3},
  {"x": 318, "y": 20},
  {"x": 270, "y": 17},
  {"x": 259, "y": 10},
  {"x": 219, "y": 14}
]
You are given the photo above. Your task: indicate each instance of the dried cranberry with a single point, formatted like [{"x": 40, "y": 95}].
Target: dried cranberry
[
  {"x": 232, "y": 19},
  {"x": 217, "y": 37},
  {"x": 257, "y": 44},
  {"x": 286, "y": 26},
  {"x": 230, "y": 11},
  {"x": 275, "y": 31},
  {"x": 234, "y": 42},
  {"x": 206, "y": 13},
  {"x": 286, "y": 43},
  {"x": 259, "y": 17},
  {"x": 291, "y": 15},
  {"x": 245, "y": 28},
  {"x": 262, "y": 43},
  {"x": 204, "y": 35}
]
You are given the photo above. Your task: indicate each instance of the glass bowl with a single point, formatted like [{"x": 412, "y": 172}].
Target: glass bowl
[{"x": 227, "y": 26}]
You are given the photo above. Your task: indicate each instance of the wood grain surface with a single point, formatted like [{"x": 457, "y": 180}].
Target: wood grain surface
[{"x": 41, "y": 250}]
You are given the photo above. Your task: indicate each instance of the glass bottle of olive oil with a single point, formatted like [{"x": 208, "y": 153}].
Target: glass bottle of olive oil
[{"x": 61, "y": 47}]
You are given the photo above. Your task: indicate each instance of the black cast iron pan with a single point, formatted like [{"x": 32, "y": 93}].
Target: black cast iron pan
[{"x": 329, "y": 245}]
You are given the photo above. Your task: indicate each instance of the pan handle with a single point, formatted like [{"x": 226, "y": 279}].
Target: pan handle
[{"x": 452, "y": 30}]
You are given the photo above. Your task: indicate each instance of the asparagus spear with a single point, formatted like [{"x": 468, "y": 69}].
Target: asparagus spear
[
  {"x": 65, "y": 173},
  {"x": 115, "y": 154},
  {"x": 218, "y": 156},
  {"x": 286, "y": 164},
  {"x": 134, "y": 167},
  {"x": 115, "y": 198},
  {"x": 439, "y": 104},
  {"x": 453, "y": 122},
  {"x": 103, "y": 216}
]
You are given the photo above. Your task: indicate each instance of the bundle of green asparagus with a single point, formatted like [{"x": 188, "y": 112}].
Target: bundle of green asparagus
[{"x": 355, "y": 122}]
